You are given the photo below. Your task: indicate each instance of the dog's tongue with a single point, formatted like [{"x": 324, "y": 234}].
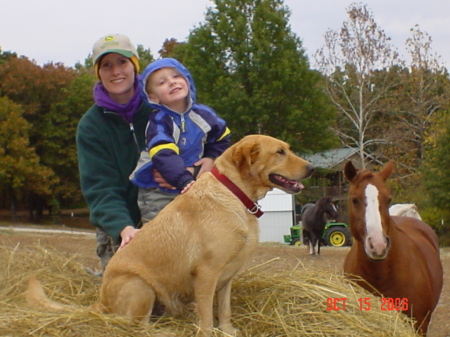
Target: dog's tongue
[{"x": 299, "y": 185}]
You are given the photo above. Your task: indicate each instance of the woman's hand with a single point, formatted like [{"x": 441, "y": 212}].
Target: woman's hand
[{"x": 127, "y": 234}]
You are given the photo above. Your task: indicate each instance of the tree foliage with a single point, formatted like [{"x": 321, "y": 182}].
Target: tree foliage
[
  {"x": 422, "y": 94},
  {"x": 251, "y": 68},
  {"x": 168, "y": 48},
  {"x": 145, "y": 56},
  {"x": 20, "y": 167},
  {"x": 435, "y": 176},
  {"x": 58, "y": 136},
  {"x": 50, "y": 97}
]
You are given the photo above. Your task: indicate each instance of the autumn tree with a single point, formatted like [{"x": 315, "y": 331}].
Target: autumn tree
[
  {"x": 58, "y": 136},
  {"x": 360, "y": 65},
  {"x": 6, "y": 55},
  {"x": 168, "y": 48},
  {"x": 20, "y": 168},
  {"x": 424, "y": 91},
  {"x": 37, "y": 90},
  {"x": 251, "y": 68}
]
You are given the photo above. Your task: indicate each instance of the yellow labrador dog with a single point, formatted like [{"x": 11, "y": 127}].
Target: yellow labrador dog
[{"x": 197, "y": 244}]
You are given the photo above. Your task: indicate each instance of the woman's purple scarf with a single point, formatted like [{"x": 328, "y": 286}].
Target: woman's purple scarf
[{"x": 127, "y": 111}]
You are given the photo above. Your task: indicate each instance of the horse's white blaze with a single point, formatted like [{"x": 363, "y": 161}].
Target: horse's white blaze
[
  {"x": 373, "y": 217},
  {"x": 334, "y": 208},
  {"x": 375, "y": 240}
]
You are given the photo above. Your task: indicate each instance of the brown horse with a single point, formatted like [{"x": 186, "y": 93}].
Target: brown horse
[{"x": 398, "y": 257}]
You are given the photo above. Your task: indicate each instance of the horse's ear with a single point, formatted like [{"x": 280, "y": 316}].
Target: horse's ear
[
  {"x": 387, "y": 170},
  {"x": 350, "y": 171}
]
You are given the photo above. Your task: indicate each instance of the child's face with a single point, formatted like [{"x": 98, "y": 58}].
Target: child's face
[{"x": 167, "y": 87}]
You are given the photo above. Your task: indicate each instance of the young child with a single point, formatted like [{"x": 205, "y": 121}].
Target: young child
[{"x": 183, "y": 136}]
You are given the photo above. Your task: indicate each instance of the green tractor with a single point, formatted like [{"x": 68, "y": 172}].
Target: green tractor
[{"x": 335, "y": 234}]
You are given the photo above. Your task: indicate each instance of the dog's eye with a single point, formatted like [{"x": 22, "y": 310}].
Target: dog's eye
[{"x": 281, "y": 151}]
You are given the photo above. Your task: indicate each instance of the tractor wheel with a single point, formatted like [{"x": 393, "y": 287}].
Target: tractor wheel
[
  {"x": 338, "y": 237},
  {"x": 296, "y": 242}
]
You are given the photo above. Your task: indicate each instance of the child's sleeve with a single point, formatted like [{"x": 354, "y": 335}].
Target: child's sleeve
[{"x": 164, "y": 153}]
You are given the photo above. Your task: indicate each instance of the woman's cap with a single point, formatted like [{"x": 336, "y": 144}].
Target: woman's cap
[{"x": 116, "y": 43}]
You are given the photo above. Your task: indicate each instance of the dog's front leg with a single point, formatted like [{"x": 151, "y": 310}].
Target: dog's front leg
[
  {"x": 204, "y": 287},
  {"x": 224, "y": 309}
]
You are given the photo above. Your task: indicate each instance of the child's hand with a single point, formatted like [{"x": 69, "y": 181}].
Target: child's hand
[
  {"x": 187, "y": 187},
  {"x": 206, "y": 163},
  {"x": 161, "y": 182}
]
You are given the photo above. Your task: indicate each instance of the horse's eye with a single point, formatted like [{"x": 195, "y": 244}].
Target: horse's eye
[
  {"x": 281, "y": 151},
  {"x": 355, "y": 201}
]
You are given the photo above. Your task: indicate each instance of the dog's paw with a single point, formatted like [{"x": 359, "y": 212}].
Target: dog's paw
[
  {"x": 94, "y": 273},
  {"x": 164, "y": 334},
  {"x": 230, "y": 330}
]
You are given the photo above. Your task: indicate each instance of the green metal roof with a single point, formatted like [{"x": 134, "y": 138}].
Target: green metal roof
[{"x": 331, "y": 159}]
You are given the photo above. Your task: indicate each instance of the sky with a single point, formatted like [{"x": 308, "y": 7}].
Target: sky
[{"x": 65, "y": 30}]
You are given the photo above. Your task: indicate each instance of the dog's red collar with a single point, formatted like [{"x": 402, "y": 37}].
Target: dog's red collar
[{"x": 252, "y": 207}]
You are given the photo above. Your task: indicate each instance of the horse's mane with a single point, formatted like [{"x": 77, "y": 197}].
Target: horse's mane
[{"x": 323, "y": 200}]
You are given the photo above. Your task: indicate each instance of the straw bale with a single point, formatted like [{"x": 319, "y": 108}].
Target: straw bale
[{"x": 264, "y": 304}]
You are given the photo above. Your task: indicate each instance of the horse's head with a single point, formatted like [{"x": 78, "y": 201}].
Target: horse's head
[
  {"x": 326, "y": 205},
  {"x": 368, "y": 206}
]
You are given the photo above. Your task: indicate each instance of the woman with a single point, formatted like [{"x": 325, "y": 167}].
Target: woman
[{"x": 110, "y": 137}]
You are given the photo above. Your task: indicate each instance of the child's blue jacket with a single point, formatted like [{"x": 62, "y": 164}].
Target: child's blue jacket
[{"x": 176, "y": 141}]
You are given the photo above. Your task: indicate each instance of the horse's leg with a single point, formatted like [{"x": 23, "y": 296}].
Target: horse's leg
[
  {"x": 312, "y": 244},
  {"x": 307, "y": 239},
  {"x": 318, "y": 245},
  {"x": 319, "y": 239},
  {"x": 308, "y": 243}
]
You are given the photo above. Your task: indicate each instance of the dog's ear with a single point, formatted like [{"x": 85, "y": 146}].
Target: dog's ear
[{"x": 245, "y": 155}]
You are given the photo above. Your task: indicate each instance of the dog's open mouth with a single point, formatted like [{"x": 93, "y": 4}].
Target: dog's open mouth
[{"x": 288, "y": 185}]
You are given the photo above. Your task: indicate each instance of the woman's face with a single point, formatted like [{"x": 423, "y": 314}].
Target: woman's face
[{"x": 117, "y": 75}]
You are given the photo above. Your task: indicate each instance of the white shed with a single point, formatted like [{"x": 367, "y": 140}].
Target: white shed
[{"x": 279, "y": 216}]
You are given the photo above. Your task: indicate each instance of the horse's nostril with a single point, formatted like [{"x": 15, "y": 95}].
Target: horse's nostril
[{"x": 370, "y": 244}]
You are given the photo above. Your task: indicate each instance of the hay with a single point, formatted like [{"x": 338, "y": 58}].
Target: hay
[{"x": 263, "y": 304}]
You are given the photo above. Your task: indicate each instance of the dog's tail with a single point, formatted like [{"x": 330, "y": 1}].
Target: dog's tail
[{"x": 35, "y": 295}]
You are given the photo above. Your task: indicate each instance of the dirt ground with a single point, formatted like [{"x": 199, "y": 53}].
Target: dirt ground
[{"x": 269, "y": 257}]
